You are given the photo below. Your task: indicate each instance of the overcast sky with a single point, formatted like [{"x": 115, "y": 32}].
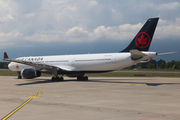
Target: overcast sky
[{"x": 57, "y": 27}]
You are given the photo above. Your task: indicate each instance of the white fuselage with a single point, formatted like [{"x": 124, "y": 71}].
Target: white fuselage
[{"x": 83, "y": 62}]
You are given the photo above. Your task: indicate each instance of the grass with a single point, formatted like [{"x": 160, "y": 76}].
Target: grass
[
  {"x": 7, "y": 72},
  {"x": 122, "y": 73}
]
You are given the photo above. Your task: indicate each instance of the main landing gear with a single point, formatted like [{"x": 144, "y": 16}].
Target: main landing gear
[
  {"x": 57, "y": 79},
  {"x": 19, "y": 75},
  {"x": 82, "y": 78}
]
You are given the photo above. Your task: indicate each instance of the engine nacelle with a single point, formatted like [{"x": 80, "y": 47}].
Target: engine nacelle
[{"x": 29, "y": 73}]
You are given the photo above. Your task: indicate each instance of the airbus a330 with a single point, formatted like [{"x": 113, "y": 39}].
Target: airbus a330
[{"x": 79, "y": 65}]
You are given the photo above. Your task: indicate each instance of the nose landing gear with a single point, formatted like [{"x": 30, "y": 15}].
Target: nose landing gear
[{"x": 19, "y": 75}]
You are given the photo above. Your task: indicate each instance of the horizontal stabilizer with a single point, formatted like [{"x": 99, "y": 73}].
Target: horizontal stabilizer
[
  {"x": 166, "y": 53},
  {"x": 136, "y": 54}
]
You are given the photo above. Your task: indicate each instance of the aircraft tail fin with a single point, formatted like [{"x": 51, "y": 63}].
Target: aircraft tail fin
[
  {"x": 144, "y": 37},
  {"x": 5, "y": 55}
]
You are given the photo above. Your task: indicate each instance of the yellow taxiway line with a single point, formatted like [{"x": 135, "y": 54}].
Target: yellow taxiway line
[{"x": 19, "y": 107}]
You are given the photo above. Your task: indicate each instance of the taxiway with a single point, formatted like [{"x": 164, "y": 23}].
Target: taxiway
[{"x": 100, "y": 98}]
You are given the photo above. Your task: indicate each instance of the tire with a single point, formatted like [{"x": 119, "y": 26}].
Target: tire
[
  {"x": 82, "y": 78},
  {"x": 86, "y": 78},
  {"x": 19, "y": 77},
  {"x": 53, "y": 79},
  {"x": 61, "y": 78},
  {"x": 79, "y": 78}
]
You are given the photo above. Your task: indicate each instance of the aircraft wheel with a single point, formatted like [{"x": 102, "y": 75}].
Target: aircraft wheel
[
  {"x": 19, "y": 77},
  {"x": 78, "y": 78},
  {"x": 82, "y": 78},
  {"x": 57, "y": 79},
  {"x": 61, "y": 78},
  {"x": 54, "y": 79},
  {"x": 85, "y": 78}
]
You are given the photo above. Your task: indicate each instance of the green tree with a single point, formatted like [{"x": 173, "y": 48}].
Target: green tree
[
  {"x": 162, "y": 65},
  {"x": 143, "y": 65},
  {"x": 4, "y": 65},
  {"x": 177, "y": 65},
  {"x": 151, "y": 66},
  {"x": 160, "y": 61},
  {"x": 169, "y": 65},
  {"x": 154, "y": 62}
]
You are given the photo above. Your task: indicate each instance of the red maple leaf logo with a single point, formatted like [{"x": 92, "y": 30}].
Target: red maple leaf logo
[
  {"x": 142, "y": 40},
  {"x": 17, "y": 66}
]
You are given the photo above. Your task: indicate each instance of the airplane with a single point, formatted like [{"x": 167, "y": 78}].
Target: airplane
[{"x": 80, "y": 64}]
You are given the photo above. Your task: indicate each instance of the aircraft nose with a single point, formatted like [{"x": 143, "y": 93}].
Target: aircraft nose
[{"x": 10, "y": 66}]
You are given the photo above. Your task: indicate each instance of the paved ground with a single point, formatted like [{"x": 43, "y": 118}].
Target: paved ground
[{"x": 102, "y": 98}]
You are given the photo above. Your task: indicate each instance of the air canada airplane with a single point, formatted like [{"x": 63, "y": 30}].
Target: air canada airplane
[{"x": 79, "y": 65}]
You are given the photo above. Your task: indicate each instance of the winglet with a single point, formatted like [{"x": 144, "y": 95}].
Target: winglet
[{"x": 5, "y": 56}]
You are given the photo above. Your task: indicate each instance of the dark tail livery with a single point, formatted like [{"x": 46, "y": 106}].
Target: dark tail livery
[{"x": 143, "y": 39}]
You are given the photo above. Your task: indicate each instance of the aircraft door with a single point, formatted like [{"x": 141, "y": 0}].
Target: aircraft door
[
  {"x": 72, "y": 61},
  {"x": 113, "y": 59}
]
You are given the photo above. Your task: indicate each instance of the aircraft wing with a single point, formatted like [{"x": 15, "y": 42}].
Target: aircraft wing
[{"x": 38, "y": 66}]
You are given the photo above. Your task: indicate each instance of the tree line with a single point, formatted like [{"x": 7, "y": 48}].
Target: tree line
[
  {"x": 4, "y": 65},
  {"x": 157, "y": 64}
]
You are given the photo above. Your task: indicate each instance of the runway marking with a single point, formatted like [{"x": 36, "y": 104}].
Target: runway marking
[
  {"x": 19, "y": 107},
  {"x": 159, "y": 116},
  {"x": 35, "y": 94}
]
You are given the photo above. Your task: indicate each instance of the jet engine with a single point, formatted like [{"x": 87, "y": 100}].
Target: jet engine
[{"x": 29, "y": 73}]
